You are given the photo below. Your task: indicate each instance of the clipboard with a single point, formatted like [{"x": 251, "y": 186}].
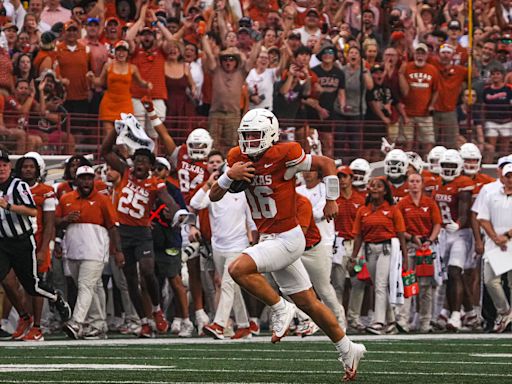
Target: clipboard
[{"x": 501, "y": 261}]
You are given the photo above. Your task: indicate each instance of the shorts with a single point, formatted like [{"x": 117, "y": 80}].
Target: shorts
[
  {"x": 168, "y": 264},
  {"x": 140, "y": 113},
  {"x": 458, "y": 247},
  {"x": 136, "y": 242},
  {"x": 280, "y": 254},
  {"x": 492, "y": 129},
  {"x": 425, "y": 126}
]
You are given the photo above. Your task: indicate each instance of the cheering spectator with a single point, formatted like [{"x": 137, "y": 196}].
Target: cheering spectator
[
  {"x": 10, "y": 31},
  {"x": 30, "y": 27},
  {"x": 54, "y": 12},
  {"x": 35, "y": 7},
  {"x": 312, "y": 24},
  {"x": 117, "y": 76},
  {"x": 46, "y": 58},
  {"x": 487, "y": 61},
  {"x": 451, "y": 79},
  {"x": 460, "y": 54},
  {"x": 419, "y": 87},
  {"x": 476, "y": 124},
  {"x": 369, "y": 27},
  {"x": 260, "y": 82},
  {"x": 111, "y": 32},
  {"x": 14, "y": 136}
]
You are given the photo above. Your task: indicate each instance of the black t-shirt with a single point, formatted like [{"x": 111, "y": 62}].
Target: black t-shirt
[
  {"x": 331, "y": 82},
  {"x": 498, "y": 104},
  {"x": 287, "y": 106},
  {"x": 385, "y": 96}
]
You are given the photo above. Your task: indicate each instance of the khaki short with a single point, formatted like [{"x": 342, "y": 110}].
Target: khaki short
[{"x": 425, "y": 129}]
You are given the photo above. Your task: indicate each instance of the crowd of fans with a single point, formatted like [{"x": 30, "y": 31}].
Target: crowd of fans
[{"x": 355, "y": 71}]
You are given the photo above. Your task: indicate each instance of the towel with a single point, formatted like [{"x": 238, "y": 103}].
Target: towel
[
  {"x": 131, "y": 133},
  {"x": 396, "y": 284},
  {"x": 338, "y": 251}
]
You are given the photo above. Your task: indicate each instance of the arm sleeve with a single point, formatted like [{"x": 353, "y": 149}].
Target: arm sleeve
[
  {"x": 200, "y": 200},
  {"x": 49, "y": 203}
]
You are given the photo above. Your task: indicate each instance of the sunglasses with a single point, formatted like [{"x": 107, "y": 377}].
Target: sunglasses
[
  {"x": 329, "y": 51},
  {"x": 228, "y": 58}
]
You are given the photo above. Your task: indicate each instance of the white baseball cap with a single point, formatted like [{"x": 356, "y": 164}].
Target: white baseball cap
[
  {"x": 506, "y": 169},
  {"x": 164, "y": 162},
  {"x": 85, "y": 170},
  {"x": 502, "y": 161}
]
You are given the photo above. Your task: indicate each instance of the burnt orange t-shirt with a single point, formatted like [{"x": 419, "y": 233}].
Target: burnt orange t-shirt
[
  {"x": 378, "y": 224},
  {"x": 74, "y": 65},
  {"x": 151, "y": 65},
  {"x": 272, "y": 199},
  {"x": 422, "y": 84},
  {"x": 419, "y": 219},
  {"x": 66, "y": 187},
  {"x": 451, "y": 79},
  {"x": 479, "y": 181},
  {"x": 306, "y": 220},
  {"x": 347, "y": 210}
]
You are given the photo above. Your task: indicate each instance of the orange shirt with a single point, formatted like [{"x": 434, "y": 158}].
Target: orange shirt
[
  {"x": 430, "y": 180},
  {"x": 422, "y": 84},
  {"x": 399, "y": 192},
  {"x": 451, "y": 79},
  {"x": 41, "y": 56},
  {"x": 272, "y": 198},
  {"x": 306, "y": 220},
  {"x": 347, "y": 210},
  {"x": 45, "y": 200},
  {"x": 447, "y": 196},
  {"x": 419, "y": 219},
  {"x": 378, "y": 225},
  {"x": 191, "y": 173},
  {"x": 151, "y": 66},
  {"x": 66, "y": 187},
  {"x": 74, "y": 65},
  {"x": 94, "y": 209},
  {"x": 134, "y": 198},
  {"x": 479, "y": 181}
]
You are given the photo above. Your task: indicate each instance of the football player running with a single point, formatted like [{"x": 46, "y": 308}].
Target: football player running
[
  {"x": 453, "y": 196},
  {"x": 267, "y": 168}
]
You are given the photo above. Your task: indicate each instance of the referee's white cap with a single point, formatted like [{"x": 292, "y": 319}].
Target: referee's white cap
[{"x": 85, "y": 170}]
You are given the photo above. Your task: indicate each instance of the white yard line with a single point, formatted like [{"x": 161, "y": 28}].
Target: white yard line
[{"x": 80, "y": 367}]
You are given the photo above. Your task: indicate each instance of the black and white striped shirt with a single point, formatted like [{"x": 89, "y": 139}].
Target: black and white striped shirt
[{"x": 13, "y": 225}]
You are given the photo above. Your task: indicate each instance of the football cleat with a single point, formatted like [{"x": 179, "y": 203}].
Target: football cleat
[
  {"x": 187, "y": 328},
  {"x": 130, "y": 328},
  {"x": 162, "y": 325},
  {"x": 94, "y": 334},
  {"x": 351, "y": 360},
  {"x": 254, "y": 327},
  {"x": 454, "y": 323},
  {"x": 22, "y": 328},
  {"x": 176, "y": 325},
  {"x": 242, "y": 333},
  {"x": 73, "y": 330},
  {"x": 307, "y": 328},
  {"x": 34, "y": 334},
  {"x": 502, "y": 322},
  {"x": 63, "y": 307},
  {"x": 146, "y": 331},
  {"x": 281, "y": 320},
  {"x": 4, "y": 335},
  {"x": 376, "y": 329},
  {"x": 441, "y": 322},
  {"x": 214, "y": 330}
]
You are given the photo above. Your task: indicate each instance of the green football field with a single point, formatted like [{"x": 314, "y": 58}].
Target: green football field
[{"x": 407, "y": 359}]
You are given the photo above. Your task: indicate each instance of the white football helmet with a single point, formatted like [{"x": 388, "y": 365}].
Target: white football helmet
[
  {"x": 40, "y": 162},
  {"x": 396, "y": 163},
  {"x": 451, "y": 164},
  {"x": 470, "y": 151},
  {"x": 433, "y": 158},
  {"x": 362, "y": 172},
  {"x": 263, "y": 127},
  {"x": 415, "y": 161},
  {"x": 199, "y": 144}
]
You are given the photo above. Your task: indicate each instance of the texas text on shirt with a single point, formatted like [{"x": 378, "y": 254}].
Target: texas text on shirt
[
  {"x": 87, "y": 237},
  {"x": 381, "y": 224},
  {"x": 191, "y": 173},
  {"x": 420, "y": 219},
  {"x": 271, "y": 195},
  {"x": 13, "y": 225}
]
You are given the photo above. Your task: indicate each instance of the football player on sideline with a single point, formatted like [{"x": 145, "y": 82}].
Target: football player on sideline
[
  {"x": 396, "y": 165},
  {"x": 266, "y": 169}
]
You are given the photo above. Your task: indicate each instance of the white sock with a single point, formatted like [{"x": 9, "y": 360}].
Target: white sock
[
  {"x": 445, "y": 312},
  {"x": 156, "y": 308},
  {"x": 455, "y": 315},
  {"x": 343, "y": 345},
  {"x": 279, "y": 305},
  {"x": 177, "y": 320},
  {"x": 471, "y": 313},
  {"x": 201, "y": 313}
]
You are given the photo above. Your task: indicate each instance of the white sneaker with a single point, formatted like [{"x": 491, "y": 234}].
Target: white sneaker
[
  {"x": 201, "y": 320},
  {"x": 281, "y": 320},
  {"x": 502, "y": 321},
  {"x": 351, "y": 360},
  {"x": 454, "y": 323},
  {"x": 130, "y": 328},
  {"x": 307, "y": 328},
  {"x": 176, "y": 325},
  {"x": 186, "y": 328}
]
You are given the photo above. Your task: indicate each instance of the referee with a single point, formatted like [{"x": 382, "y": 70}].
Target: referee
[{"x": 17, "y": 243}]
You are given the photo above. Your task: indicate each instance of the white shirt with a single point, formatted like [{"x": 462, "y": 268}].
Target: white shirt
[
  {"x": 262, "y": 84},
  {"x": 497, "y": 208},
  {"x": 486, "y": 189},
  {"x": 316, "y": 196},
  {"x": 230, "y": 218},
  {"x": 305, "y": 35},
  {"x": 196, "y": 71}
]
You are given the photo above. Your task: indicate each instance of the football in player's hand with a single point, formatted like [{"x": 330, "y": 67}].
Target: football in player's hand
[{"x": 238, "y": 186}]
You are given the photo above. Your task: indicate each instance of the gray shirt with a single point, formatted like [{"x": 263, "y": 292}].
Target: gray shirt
[{"x": 353, "y": 87}]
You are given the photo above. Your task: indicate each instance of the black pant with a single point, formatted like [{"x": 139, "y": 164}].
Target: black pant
[{"x": 20, "y": 255}]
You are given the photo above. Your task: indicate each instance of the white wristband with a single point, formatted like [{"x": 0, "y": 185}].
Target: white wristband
[
  {"x": 332, "y": 187},
  {"x": 152, "y": 113},
  {"x": 224, "y": 181},
  {"x": 156, "y": 122}
]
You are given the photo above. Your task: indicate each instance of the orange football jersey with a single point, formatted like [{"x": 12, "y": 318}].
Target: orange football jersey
[
  {"x": 306, "y": 219},
  {"x": 191, "y": 173},
  {"x": 134, "y": 198},
  {"x": 447, "y": 197},
  {"x": 399, "y": 192},
  {"x": 479, "y": 181},
  {"x": 43, "y": 195},
  {"x": 430, "y": 181},
  {"x": 272, "y": 198}
]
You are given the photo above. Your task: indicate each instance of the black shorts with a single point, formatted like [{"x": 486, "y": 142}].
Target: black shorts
[
  {"x": 136, "y": 242},
  {"x": 20, "y": 254},
  {"x": 168, "y": 265}
]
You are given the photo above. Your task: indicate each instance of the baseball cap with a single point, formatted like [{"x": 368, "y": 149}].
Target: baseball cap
[
  {"x": 345, "y": 170},
  {"x": 10, "y": 26},
  {"x": 422, "y": 46},
  {"x": 502, "y": 161},
  {"x": 85, "y": 170},
  {"x": 397, "y": 35},
  {"x": 122, "y": 44},
  {"x": 294, "y": 35},
  {"x": 112, "y": 18},
  {"x": 244, "y": 29},
  {"x": 48, "y": 37},
  {"x": 312, "y": 10},
  {"x": 145, "y": 30},
  {"x": 454, "y": 24},
  {"x": 70, "y": 24},
  {"x": 4, "y": 155},
  {"x": 506, "y": 169},
  {"x": 163, "y": 161},
  {"x": 245, "y": 22},
  {"x": 446, "y": 48},
  {"x": 376, "y": 68},
  {"x": 93, "y": 20}
]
